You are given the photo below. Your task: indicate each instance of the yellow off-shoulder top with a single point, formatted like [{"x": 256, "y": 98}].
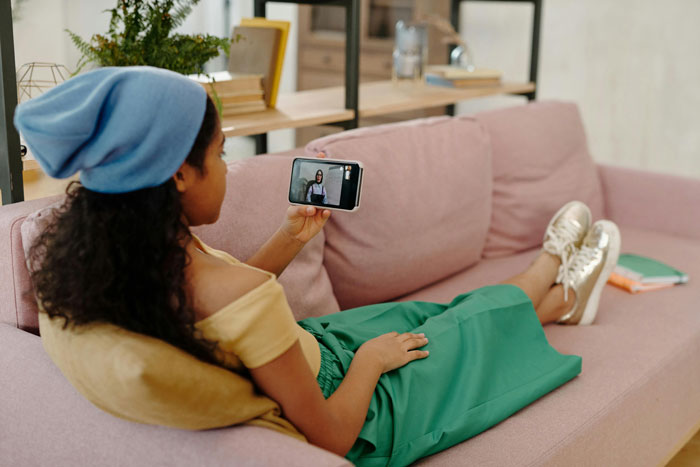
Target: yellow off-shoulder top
[{"x": 258, "y": 327}]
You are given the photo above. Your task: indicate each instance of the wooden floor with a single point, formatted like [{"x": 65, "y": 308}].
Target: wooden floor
[
  {"x": 689, "y": 455},
  {"x": 39, "y": 185}
]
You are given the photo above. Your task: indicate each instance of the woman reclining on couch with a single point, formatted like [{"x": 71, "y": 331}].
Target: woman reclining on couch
[{"x": 381, "y": 384}]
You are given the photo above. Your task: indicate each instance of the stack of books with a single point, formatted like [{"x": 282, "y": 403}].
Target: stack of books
[
  {"x": 636, "y": 274},
  {"x": 259, "y": 50},
  {"x": 237, "y": 93},
  {"x": 457, "y": 77}
]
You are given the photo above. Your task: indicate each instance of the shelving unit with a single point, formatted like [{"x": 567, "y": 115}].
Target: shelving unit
[
  {"x": 352, "y": 83},
  {"x": 341, "y": 105},
  {"x": 321, "y": 51},
  {"x": 325, "y": 106}
]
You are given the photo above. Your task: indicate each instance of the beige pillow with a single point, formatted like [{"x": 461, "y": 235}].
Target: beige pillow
[{"x": 146, "y": 380}]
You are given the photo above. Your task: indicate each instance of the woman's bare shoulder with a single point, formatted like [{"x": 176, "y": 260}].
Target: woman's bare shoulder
[{"x": 216, "y": 284}]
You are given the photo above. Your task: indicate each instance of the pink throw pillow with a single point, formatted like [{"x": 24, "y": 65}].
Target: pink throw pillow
[
  {"x": 255, "y": 206},
  {"x": 540, "y": 162},
  {"x": 425, "y": 207}
]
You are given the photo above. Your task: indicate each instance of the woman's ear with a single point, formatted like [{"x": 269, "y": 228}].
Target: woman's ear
[{"x": 183, "y": 177}]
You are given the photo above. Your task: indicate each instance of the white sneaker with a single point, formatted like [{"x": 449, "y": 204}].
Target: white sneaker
[
  {"x": 589, "y": 271},
  {"x": 565, "y": 234}
]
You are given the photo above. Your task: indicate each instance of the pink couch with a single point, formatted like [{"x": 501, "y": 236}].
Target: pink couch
[{"x": 449, "y": 204}]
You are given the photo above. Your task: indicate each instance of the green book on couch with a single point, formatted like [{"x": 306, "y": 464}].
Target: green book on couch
[{"x": 648, "y": 271}]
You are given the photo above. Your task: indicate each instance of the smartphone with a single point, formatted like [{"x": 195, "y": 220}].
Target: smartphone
[{"x": 326, "y": 183}]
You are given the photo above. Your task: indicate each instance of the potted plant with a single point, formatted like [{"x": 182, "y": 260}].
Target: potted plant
[{"x": 141, "y": 33}]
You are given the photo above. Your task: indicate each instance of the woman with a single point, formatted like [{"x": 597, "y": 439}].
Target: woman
[
  {"x": 316, "y": 193},
  {"x": 384, "y": 384}
]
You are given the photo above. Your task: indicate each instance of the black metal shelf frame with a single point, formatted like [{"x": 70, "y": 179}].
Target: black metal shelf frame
[
  {"x": 11, "y": 183},
  {"x": 534, "y": 44},
  {"x": 352, "y": 58}
]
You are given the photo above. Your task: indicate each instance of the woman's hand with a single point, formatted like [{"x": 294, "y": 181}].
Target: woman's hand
[
  {"x": 394, "y": 350},
  {"x": 304, "y": 222}
]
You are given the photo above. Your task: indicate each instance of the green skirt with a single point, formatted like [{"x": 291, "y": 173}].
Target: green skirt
[{"x": 489, "y": 358}]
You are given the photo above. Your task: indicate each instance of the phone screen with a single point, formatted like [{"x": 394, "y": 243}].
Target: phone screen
[{"x": 331, "y": 184}]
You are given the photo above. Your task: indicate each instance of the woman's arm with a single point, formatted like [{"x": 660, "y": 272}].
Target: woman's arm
[
  {"x": 334, "y": 423},
  {"x": 276, "y": 253},
  {"x": 301, "y": 225}
]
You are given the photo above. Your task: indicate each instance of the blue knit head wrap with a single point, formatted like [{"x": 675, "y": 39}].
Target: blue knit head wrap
[{"x": 123, "y": 128}]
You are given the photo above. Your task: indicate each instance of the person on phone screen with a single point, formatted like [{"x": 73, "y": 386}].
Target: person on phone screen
[
  {"x": 316, "y": 192},
  {"x": 119, "y": 262}
]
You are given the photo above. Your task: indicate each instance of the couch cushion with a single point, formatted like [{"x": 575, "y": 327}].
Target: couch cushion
[
  {"x": 636, "y": 397},
  {"x": 425, "y": 207},
  {"x": 46, "y": 422},
  {"x": 540, "y": 162}
]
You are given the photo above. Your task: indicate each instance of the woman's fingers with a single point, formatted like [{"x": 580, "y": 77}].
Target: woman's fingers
[
  {"x": 409, "y": 335},
  {"x": 306, "y": 210},
  {"x": 415, "y": 342},
  {"x": 416, "y": 354}
]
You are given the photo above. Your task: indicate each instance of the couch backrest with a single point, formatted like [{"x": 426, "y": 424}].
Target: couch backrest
[
  {"x": 253, "y": 209},
  {"x": 425, "y": 207},
  {"x": 540, "y": 162},
  {"x": 438, "y": 194}
]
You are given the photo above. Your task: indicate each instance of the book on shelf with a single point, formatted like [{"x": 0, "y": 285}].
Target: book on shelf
[
  {"x": 226, "y": 82},
  {"x": 237, "y": 92},
  {"x": 256, "y": 52},
  {"x": 456, "y": 72},
  {"x": 283, "y": 27},
  {"x": 242, "y": 96},
  {"x": 461, "y": 83},
  {"x": 636, "y": 273},
  {"x": 243, "y": 108}
]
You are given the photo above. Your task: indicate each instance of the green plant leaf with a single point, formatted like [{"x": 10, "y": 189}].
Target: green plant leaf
[{"x": 141, "y": 33}]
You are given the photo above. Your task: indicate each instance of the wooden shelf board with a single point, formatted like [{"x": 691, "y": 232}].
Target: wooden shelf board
[
  {"x": 384, "y": 97},
  {"x": 294, "y": 110},
  {"x": 30, "y": 164},
  {"x": 322, "y": 106}
]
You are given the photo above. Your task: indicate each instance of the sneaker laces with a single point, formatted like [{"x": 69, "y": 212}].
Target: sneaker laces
[
  {"x": 582, "y": 258},
  {"x": 560, "y": 242}
]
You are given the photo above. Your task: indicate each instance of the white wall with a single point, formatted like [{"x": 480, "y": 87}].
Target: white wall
[{"x": 633, "y": 66}]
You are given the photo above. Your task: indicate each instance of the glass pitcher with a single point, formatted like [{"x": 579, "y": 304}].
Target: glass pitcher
[{"x": 410, "y": 52}]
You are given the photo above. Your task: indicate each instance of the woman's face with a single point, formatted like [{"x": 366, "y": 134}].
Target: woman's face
[
  {"x": 204, "y": 195},
  {"x": 319, "y": 176}
]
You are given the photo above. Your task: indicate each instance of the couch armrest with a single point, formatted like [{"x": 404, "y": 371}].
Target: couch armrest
[
  {"x": 14, "y": 278},
  {"x": 46, "y": 422},
  {"x": 652, "y": 201}
]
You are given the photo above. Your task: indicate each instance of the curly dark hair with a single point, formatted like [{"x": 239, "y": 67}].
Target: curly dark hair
[{"x": 120, "y": 258}]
